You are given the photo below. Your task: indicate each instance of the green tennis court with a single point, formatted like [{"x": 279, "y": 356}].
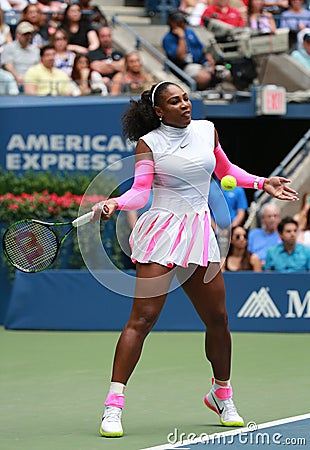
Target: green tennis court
[{"x": 53, "y": 385}]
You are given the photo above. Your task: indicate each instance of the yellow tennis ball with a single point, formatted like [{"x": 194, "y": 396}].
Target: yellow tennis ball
[{"x": 228, "y": 182}]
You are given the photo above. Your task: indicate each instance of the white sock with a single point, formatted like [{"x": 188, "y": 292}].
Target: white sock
[
  {"x": 117, "y": 388},
  {"x": 218, "y": 386}
]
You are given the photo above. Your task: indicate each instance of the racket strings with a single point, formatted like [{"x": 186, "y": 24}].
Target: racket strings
[{"x": 31, "y": 246}]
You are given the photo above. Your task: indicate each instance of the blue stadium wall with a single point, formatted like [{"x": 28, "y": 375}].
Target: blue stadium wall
[{"x": 84, "y": 134}]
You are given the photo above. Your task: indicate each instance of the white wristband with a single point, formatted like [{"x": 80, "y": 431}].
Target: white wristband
[
  {"x": 256, "y": 183},
  {"x": 259, "y": 183}
]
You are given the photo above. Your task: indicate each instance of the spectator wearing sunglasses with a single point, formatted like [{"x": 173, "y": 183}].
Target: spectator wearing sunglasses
[
  {"x": 238, "y": 256},
  {"x": 64, "y": 58}
]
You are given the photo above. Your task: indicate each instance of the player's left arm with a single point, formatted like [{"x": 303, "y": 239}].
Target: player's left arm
[{"x": 275, "y": 186}]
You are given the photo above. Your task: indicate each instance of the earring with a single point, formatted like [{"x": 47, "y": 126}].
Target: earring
[{"x": 160, "y": 118}]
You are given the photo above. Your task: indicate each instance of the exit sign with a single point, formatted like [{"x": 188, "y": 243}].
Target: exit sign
[{"x": 271, "y": 100}]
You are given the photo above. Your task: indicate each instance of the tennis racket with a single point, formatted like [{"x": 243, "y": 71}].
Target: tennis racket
[{"x": 31, "y": 245}]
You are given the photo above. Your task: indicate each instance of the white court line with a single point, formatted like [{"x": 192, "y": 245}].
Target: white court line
[{"x": 229, "y": 433}]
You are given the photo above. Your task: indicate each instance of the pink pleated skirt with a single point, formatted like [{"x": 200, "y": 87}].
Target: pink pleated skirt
[{"x": 173, "y": 239}]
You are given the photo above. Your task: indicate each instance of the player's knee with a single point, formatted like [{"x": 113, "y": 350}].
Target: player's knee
[
  {"x": 144, "y": 324},
  {"x": 218, "y": 319}
]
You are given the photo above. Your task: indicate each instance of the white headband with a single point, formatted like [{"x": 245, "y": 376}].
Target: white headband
[{"x": 154, "y": 90}]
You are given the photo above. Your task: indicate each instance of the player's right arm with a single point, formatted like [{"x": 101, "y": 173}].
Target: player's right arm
[{"x": 137, "y": 196}]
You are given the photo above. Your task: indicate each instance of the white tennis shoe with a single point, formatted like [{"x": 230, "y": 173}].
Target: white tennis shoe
[
  {"x": 111, "y": 425},
  {"x": 225, "y": 409}
]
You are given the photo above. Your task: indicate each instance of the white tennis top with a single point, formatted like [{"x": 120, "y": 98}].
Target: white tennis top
[{"x": 177, "y": 228}]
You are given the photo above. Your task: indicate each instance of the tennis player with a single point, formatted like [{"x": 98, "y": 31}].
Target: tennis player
[{"x": 176, "y": 156}]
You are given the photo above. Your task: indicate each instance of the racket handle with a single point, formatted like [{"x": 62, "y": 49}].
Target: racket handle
[
  {"x": 85, "y": 218},
  {"x": 82, "y": 220}
]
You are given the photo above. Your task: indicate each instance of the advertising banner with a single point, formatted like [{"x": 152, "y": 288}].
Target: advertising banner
[
  {"x": 62, "y": 135},
  {"x": 268, "y": 301},
  {"x": 65, "y": 134},
  {"x": 258, "y": 302}
]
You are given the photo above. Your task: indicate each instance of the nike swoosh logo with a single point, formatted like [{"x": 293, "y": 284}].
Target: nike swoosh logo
[
  {"x": 183, "y": 146},
  {"x": 217, "y": 405}
]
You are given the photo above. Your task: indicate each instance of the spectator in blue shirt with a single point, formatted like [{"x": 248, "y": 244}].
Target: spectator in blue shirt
[
  {"x": 296, "y": 17},
  {"x": 237, "y": 205},
  {"x": 264, "y": 237},
  {"x": 185, "y": 50},
  {"x": 289, "y": 256}
]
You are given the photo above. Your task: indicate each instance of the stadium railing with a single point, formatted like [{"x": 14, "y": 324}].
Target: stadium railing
[{"x": 294, "y": 166}]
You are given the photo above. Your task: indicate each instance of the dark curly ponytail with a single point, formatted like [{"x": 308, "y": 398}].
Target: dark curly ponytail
[{"x": 140, "y": 117}]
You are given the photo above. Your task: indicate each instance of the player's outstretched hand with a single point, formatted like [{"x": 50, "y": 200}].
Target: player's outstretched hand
[
  {"x": 276, "y": 186},
  {"x": 104, "y": 210}
]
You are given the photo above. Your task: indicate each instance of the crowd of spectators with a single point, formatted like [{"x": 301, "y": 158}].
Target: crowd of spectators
[
  {"x": 277, "y": 244},
  {"x": 42, "y": 53},
  {"x": 79, "y": 27},
  {"x": 260, "y": 15},
  {"x": 67, "y": 49}
]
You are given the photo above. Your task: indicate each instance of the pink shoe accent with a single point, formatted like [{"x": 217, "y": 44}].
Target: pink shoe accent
[
  {"x": 209, "y": 405},
  {"x": 224, "y": 393},
  {"x": 115, "y": 400}
]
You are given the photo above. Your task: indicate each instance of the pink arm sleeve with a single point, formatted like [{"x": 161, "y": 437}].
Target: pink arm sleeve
[
  {"x": 137, "y": 196},
  {"x": 225, "y": 167}
]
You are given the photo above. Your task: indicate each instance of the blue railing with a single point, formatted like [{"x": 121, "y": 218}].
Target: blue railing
[{"x": 290, "y": 163}]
